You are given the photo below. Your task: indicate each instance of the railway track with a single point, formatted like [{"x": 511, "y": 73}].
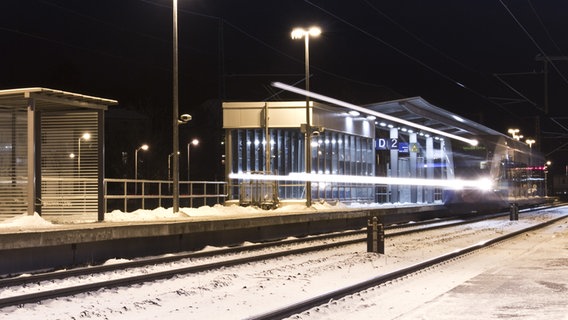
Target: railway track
[
  {"x": 322, "y": 299},
  {"x": 146, "y": 277}
]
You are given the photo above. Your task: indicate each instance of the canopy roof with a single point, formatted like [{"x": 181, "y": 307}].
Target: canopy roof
[
  {"x": 49, "y": 98},
  {"x": 420, "y": 111}
]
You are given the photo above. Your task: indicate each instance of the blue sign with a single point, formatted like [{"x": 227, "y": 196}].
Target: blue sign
[
  {"x": 403, "y": 147},
  {"x": 386, "y": 144}
]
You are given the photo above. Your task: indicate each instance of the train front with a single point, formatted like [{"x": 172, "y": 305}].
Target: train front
[{"x": 511, "y": 170}]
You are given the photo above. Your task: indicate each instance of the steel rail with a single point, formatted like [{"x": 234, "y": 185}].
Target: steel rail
[
  {"x": 47, "y": 276},
  {"x": 322, "y": 299},
  {"x": 61, "y": 292},
  {"x": 409, "y": 228}
]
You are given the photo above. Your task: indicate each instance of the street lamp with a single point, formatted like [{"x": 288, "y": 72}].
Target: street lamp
[
  {"x": 548, "y": 163},
  {"x": 86, "y": 136},
  {"x": 530, "y": 142},
  {"x": 299, "y": 33},
  {"x": 142, "y": 147},
  {"x": 175, "y": 113},
  {"x": 194, "y": 142}
]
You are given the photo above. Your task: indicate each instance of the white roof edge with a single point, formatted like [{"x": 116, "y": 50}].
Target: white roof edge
[{"x": 59, "y": 92}]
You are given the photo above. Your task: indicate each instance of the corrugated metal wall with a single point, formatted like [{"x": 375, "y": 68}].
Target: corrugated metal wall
[
  {"x": 69, "y": 162},
  {"x": 13, "y": 161}
]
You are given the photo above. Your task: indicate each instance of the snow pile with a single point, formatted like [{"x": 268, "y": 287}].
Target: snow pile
[
  {"x": 26, "y": 221},
  {"x": 217, "y": 210},
  {"x": 143, "y": 215}
]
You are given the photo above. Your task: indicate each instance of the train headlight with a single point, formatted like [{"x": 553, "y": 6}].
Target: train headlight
[{"x": 484, "y": 184}]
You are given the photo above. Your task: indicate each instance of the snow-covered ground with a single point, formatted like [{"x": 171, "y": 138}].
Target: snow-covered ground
[
  {"x": 35, "y": 222},
  {"x": 527, "y": 278}
]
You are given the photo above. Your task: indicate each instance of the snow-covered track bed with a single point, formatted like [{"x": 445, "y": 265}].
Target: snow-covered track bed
[
  {"x": 335, "y": 296},
  {"x": 274, "y": 262}
]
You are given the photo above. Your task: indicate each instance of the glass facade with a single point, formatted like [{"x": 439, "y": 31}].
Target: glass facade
[{"x": 331, "y": 152}]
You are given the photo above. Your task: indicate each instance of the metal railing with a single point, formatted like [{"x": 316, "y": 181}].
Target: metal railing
[{"x": 131, "y": 194}]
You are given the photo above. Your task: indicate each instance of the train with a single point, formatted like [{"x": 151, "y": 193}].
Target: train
[{"x": 517, "y": 174}]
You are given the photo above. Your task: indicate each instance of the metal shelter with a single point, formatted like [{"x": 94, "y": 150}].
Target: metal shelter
[{"x": 51, "y": 152}]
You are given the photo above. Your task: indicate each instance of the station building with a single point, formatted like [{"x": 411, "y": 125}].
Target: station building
[{"x": 267, "y": 138}]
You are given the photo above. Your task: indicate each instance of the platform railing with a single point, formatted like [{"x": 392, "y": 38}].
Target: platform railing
[
  {"x": 264, "y": 194},
  {"x": 129, "y": 194}
]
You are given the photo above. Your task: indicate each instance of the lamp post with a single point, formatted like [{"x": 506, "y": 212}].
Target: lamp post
[
  {"x": 175, "y": 124},
  {"x": 299, "y": 33},
  {"x": 86, "y": 136},
  {"x": 142, "y": 147},
  {"x": 530, "y": 142},
  {"x": 170, "y": 169},
  {"x": 548, "y": 163},
  {"x": 194, "y": 142}
]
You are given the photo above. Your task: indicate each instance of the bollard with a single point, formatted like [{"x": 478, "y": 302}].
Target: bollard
[
  {"x": 511, "y": 212},
  {"x": 381, "y": 239},
  {"x": 375, "y": 236},
  {"x": 514, "y": 212},
  {"x": 371, "y": 234}
]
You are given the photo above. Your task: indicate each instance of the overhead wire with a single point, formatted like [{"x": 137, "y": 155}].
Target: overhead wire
[
  {"x": 417, "y": 38},
  {"x": 547, "y": 59},
  {"x": 531, "y": 38},
  {"x": 430, "y": 46},
  {"x": 106, "y": 23},
  {"x": 412, "y": 58},
  {"x": 248, "y": 34},
  {"x": 544, "y": 27},
  {"x": 267, "y": 45},
  {"x": 312, "y": 66}
]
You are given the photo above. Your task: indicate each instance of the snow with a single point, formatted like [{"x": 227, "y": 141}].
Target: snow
[
  {"x": 527, "y": 278},
  {"x": 24, "y": 222},
  {"x": 32, "y": 222}
]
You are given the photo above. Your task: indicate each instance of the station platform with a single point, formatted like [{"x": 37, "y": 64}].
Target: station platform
[
  {"x": 526, "y": 278},
  {"x": 64, "y": 241}
]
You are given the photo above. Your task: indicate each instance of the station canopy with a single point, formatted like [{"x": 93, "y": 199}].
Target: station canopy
[{"x": 419, "y": 111}]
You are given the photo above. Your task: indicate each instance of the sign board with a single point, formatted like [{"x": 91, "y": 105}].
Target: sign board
[
  {"x": 394, "y": 144},
  {"x": 414, "y": 147},
  {"x": 386, "y": 143}
]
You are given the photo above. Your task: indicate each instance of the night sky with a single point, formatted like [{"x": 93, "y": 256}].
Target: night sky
[{"x": 474, "y": 58}]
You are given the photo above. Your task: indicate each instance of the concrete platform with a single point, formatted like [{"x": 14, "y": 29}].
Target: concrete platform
[{"x": 524, "y": 279}]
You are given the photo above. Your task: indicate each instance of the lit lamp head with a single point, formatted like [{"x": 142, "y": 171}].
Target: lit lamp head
[
  {"x": 299, "y": 33},
  {"x": 513, "y": 133},
  {"x": 530, "y": 142}
]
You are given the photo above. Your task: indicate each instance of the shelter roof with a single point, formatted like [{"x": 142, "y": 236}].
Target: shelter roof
[{"x": 50, "y": 98}]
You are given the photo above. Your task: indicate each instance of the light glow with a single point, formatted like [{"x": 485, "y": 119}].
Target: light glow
[
  {"x": 334, "y": 101},
  {"x": 458, "y": 118},
  {"x": 299, "y": 33},
  {"x": 482, "y": 184}
]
